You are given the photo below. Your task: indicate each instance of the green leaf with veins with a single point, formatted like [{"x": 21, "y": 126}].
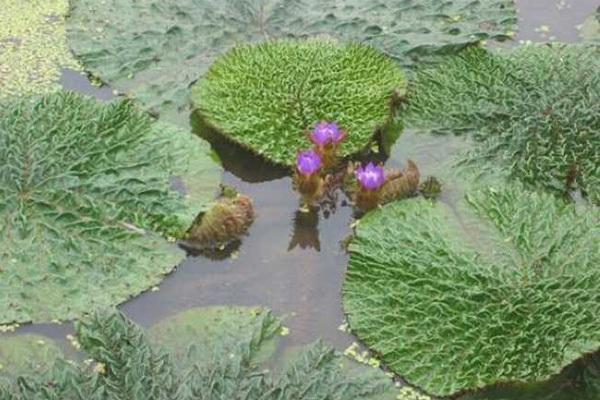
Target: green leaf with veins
[
  {"x": 85, "y": 195},
  {"x": 154, "y": 50},
  {"x": 194, "y": 336},
  {"x": 502, "y": 286},
  {"x": 27, "y": 354},
  {"x": 128, "y": 366},
  {"x": 267, "y": 96},
  {"x": 533, "y": 112}
]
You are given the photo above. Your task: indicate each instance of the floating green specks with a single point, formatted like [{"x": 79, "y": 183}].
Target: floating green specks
[{"x": 32, "y": 46}]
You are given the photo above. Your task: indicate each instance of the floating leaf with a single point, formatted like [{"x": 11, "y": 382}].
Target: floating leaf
[
  {"x": 27, "y": 354},
  {"x": 154, "y": 50},
  {"x": 126, "y": 366},
  {"x": 283, "y": 88},
  {"x": 85, "y": 192},
  {"x": 196, "y": 335},
  {"x": 534, "y": 112},
  {"x": 504, "y": 285},
  {"x": 590, "y": 30}
]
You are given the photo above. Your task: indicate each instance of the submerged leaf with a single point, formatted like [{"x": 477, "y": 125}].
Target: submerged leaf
[
  {"x": 504, "y": 285},
  {"x": 154, "y": 50},
  {"x": 195, "y": 336},
  {"x": 85, "y": 194},
  {"x": 590, "y": 30},
  {"x": 27, "y": 354}
]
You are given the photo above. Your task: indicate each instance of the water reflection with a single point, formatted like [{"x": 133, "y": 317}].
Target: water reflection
[
  {"x": 241, "y": 162},
  {"x": 306, "y": 229},
  {"x": 579, "y": 381}
]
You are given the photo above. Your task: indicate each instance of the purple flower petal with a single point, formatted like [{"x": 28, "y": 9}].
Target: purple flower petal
[
  {"x": 326, "y": 132},
  {"x": 370, "y": 177},
  {"x": 308, "y": 162}
]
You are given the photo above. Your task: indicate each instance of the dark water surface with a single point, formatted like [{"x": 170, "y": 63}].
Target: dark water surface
[{"x": 292, "y": 262}]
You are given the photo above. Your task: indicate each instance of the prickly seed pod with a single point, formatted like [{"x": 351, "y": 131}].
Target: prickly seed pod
[
  {"x": 430, "y": 188},
  {"x": 403, "y": 185},
  {"x": 227, "y": 220}
]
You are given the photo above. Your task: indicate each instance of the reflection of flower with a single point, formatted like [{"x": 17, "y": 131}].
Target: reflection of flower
[
  {"x": 308, "y": 162},
  {"x": 306, "y": 230},
  {"x": 370, "y": 177},
  {"x": 326, "y": 132}
]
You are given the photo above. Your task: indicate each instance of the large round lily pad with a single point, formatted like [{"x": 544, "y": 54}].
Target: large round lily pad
[
  {"x": 503, "y": 286},
  {"x": 195, "y": 336},
  {"x": 85, "y": 195},
  {"x": 267, "y": 96},
  {"x": 154, "y": 50},
  {"x": 533, "y": 111},
  {"x": 27, "y": 354}
]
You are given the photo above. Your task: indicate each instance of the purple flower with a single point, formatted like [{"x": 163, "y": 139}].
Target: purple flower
[
  {"x": 370, "y": 177},
  {"x": 326, "y": 132},
  {"x": 308, "y": 162}
]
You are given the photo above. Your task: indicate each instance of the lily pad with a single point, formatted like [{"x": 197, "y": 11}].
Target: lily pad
[
  {"x": 354, "y": 365},
  {"x": 33, "y": 46},
  {"x": 127, "y": 366},
  {"x": 195, "y": 335},
  {"x": 504, "y": 286},
  {"x": 27, "y": 354},
  {"x": 154, "y": 50},
  {"x": 590, "y": 30},
  {"x": 282, "y": 88},
  {"x": 533, "y": 111},
  {"x": 85, "y": 196}
]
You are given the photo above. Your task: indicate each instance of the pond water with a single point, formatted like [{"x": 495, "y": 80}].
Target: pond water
[{"x": 293, "y": 262}]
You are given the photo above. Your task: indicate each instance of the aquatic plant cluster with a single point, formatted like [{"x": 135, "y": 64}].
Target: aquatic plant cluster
[
  {"x": 374, "y": 187},
  {"x": 128, "y": 363},
  {"x": 494, "y": 280}
]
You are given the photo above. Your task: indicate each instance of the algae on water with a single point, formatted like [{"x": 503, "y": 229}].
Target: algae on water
[{"x": 33, "y": 46}]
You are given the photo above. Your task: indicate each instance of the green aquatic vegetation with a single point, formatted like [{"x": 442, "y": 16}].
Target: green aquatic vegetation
[
  {"x": 127, "y": 366},
  {"x": 267, "y": 96},
  {"x": 196, "y": 335},
  {"x": 27, "y": 354},
  {"x": 86, "y": 201},
  {"x": 590, "y": 29},
  {"x": 580, "y": 381},
  {"x": 534, "y": 111},
  {"x": 501, "y": 286},
  {"x": 33, "y": 46},
  {"x": 154, "y": 51}
]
